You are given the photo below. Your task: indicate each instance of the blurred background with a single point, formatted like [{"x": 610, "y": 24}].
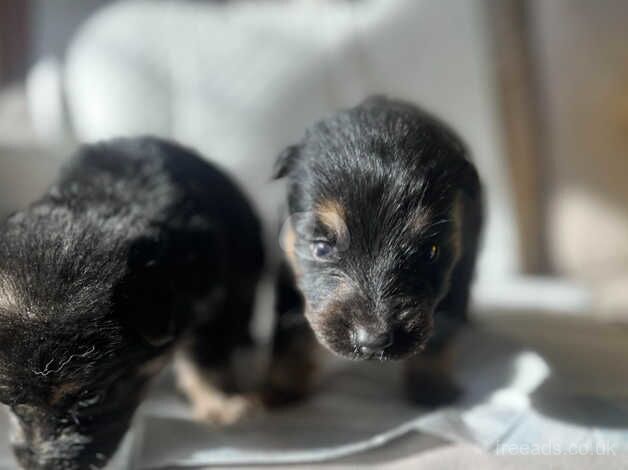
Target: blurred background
[{"x": 538, "y": 89}]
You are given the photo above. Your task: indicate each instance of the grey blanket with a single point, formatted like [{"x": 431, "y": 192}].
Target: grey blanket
[{"x": 536, "y": 386}]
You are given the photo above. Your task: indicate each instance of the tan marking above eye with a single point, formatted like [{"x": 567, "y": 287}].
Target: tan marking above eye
[
  {"x": 331, "y": 213},
  {"x": 420, "y": 220},
  {"x": 287, "y": 240}
]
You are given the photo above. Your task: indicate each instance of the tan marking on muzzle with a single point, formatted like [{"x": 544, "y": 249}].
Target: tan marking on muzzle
[{"x": 339, "y": 296}]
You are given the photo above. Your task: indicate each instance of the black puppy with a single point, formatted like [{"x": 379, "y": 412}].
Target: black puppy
[
  {"x": 139, "y": 247},
  {"x": 385, "y": 216}
]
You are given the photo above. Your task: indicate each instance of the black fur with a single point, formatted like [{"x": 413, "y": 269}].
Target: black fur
[
  {"x": 402, "y": 184},
  {"x": 139, "y": 245}
]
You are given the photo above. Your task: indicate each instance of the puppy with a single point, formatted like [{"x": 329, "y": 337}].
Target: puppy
[
  {"x": 139, "y": 247},
  {"x": 381, "y": 243}
]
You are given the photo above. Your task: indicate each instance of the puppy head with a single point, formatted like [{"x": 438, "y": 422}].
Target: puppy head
[
  {"x": 377, "y": 197},
  {"x": 72, "y": 372}
]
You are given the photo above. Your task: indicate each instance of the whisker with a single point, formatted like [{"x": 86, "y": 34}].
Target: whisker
[
  {"x": 438, "y": 222},
  {"x": 423, "y": 192}
]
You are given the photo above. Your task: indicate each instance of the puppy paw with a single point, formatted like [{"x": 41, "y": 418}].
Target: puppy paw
[
  {"x": 208, "y": 399},
  {"x": 224, "y": 410}
]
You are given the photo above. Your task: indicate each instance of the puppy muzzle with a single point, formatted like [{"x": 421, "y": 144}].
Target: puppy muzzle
[{"x": 42, "y": 442}]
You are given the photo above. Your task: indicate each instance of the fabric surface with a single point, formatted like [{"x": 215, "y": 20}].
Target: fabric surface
[
  {"x": 534, "y": 385},
  {"x": 552, "y": 388}
]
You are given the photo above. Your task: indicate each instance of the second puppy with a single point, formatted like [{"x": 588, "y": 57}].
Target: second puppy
[
  {"x": 381, "y": 242},
  {"x": 140, "y": 247}
]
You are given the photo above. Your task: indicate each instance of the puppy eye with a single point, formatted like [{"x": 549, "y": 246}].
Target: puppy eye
[
  {"x": 321, "y": 249},
  {"x": 433, "y": 252}
]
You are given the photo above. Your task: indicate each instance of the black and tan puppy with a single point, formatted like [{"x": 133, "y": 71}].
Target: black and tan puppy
[
  {"x": 140, "y": 246},
  {"x": 385, "y": 216}
]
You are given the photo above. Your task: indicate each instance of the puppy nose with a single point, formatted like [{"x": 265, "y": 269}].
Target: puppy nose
[{"x": 372, "y": 343}]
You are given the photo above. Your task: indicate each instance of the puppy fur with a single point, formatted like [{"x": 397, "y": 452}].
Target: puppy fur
[
  {"x": 385, "y": 213},
  {"x": 140, "y": 247}
]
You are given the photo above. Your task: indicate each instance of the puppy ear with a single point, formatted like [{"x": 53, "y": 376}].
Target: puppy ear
[
  {"x": 469, "y": 180},
  {"x": 285, "y": 161}
]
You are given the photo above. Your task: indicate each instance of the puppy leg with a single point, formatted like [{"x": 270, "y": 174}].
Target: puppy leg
[
  {"x": 429, "y": 379},
  {"x": 293, "y": 365},
  {"x": 205, "y": 389},
  {"x": 428, "y": 376},
  {"x": 204, "y": 364}
]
